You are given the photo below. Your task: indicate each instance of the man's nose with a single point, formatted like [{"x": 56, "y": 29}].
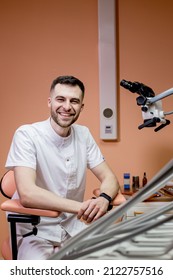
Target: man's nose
[{"x": 67, "y": 105}]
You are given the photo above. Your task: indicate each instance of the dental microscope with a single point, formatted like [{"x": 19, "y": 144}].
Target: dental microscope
[{"x": 151, "y": 104}]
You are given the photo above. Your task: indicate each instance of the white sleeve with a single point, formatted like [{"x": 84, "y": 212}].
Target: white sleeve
[
  {"x": 94, "y": 155},
  {"x": 22, "y": 151}
]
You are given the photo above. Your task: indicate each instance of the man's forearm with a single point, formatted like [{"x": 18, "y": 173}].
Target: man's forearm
[
  {"x": 110, "y": 186},
  {"x": 43, "y": 199}
]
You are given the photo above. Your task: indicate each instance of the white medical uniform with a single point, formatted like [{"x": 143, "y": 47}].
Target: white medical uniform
[{"x": 60, "y": 164}]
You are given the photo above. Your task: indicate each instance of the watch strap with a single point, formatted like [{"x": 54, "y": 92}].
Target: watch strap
[{"x": 106, "y": 196}]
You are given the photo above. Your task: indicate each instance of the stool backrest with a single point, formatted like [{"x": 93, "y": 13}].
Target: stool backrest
[{"x": 7, "y": 184}]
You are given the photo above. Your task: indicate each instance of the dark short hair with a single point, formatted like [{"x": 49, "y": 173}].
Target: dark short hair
[{"x": 68, "y": 80}]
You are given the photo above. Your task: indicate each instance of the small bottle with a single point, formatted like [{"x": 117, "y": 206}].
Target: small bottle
[
  {"x": 126, "y": 181},
  {"x": 135, "y": 183},
  {"x": 144, "y": 180}
]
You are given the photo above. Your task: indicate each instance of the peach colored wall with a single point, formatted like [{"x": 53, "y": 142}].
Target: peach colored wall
[{"x": 41, "y": 39}]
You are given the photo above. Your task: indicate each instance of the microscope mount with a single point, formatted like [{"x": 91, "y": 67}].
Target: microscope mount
[{"x": 151, "y": 105}]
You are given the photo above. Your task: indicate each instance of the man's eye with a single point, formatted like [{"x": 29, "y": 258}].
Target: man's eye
[
  {"x": 60, "y": 99},
  {"x": 75, "y": 101}
]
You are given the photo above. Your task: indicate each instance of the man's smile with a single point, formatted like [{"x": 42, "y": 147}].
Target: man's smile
[{"x": 66, "y": 114}]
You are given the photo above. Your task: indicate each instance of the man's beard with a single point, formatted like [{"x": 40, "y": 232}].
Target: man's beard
[{"x": 63, "y": 124}]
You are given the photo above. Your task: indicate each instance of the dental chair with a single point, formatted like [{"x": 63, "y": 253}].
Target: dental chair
[{"x": 19, "y": 214}]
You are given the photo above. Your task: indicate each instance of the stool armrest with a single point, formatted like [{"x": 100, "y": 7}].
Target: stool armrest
[{"x": 14, "y": 205}]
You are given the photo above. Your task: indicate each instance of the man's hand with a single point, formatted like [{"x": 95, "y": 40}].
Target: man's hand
[{"x": 93, "y": 209}]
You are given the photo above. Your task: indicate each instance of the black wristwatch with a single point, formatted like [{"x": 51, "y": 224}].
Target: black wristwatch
[{"x": 106, "y": 196}]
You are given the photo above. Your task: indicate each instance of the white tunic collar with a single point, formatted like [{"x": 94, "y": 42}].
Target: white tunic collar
[{"x": 56, "y": 138}]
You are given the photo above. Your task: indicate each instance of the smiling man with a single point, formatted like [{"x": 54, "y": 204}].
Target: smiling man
[
  {"x": 50, "y": 160},
  {"x": 66, "y": 103}
]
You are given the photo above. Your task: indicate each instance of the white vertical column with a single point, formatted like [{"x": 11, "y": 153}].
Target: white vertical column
[{"x": 107, "y": 69}]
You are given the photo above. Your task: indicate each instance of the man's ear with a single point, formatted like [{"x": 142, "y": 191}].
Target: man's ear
[
  {"x": 82, "y": 107},
  {"x": 49, "y": 102}
]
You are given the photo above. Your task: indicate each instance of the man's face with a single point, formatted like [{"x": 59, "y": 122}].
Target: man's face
[{"x": 65, "y": 103}]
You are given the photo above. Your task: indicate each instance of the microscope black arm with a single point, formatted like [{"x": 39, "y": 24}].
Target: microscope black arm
[{"x": 151, "y": 105}]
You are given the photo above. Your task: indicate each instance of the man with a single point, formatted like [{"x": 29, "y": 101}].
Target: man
[{"x": 50, "y": 159}]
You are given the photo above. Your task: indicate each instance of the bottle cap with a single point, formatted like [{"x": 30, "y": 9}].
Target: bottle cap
[{"x": 126, "y": 175}]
